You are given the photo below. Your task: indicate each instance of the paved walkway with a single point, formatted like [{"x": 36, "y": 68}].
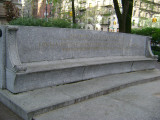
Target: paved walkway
[
  {"x": 141, "y": 102},
  {"x": 6, "y": 114},
  {"x": 116, "y": 98}
]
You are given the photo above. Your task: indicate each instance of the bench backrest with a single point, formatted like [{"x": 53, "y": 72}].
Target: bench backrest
[{"x": 35, "y": 44}]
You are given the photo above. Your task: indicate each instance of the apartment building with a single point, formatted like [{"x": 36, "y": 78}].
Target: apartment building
[
  {"x": 37, "y": 8},
  {"x": 100, "y": 14},
  {"x": 142, "y": 11},
  {"x": 2, "y": 13}
]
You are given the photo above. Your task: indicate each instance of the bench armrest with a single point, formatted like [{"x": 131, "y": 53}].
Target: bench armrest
[{"x": 149, "y": 50}]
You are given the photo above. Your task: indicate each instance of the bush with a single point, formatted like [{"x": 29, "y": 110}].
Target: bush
[
  {"x": 157, "y": 53},
  {"x": 145, "y": 31},
  {"x": 62, "y": 23},
  {"x": 156, "y": 37},
  {"x": 156, "y": 48},
  {"x": 28, "y": 22}
]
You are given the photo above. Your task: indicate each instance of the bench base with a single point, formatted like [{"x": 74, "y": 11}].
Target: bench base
[
  {"x": 41, "y": 75},
  {"x": 33, "y": 103}
]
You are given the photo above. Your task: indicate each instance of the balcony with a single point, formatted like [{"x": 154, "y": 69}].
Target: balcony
[
  {"x": 104, "y": 22},
  {"x": 82, "y": 8},
  {"x": 150, "y": 11},
  {"x": 2, "y": 10},
  {"x": 82, "y": 1},
  {"x": 106, "y": 12}
]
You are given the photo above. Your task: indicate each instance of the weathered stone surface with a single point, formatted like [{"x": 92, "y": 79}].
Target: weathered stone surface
[
  {"x": 31, "y": 103},
  {"x": 2, "y": 57},
  {"x": 139, "y": 102},
  {"x": 48, "y": 44},
  {"x": 37, "y": 57}
]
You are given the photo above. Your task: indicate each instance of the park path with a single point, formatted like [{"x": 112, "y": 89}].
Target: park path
[{"x": 141, "y": 102}]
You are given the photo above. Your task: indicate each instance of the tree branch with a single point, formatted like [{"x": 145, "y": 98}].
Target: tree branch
[{"x": 116, "y": 6}]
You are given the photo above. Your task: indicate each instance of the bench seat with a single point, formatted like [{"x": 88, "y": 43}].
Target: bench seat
[
  {"x": 43, "y": 74},
  {"x": 81, "y": 62}
]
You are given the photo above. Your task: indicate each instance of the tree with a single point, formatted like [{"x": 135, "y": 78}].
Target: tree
[
  {"x": 12, "y": 12},
  {"x": 56, "y": 5},
  {"x": 73, "y": 12},
  {"x": 124, "y": 16}
]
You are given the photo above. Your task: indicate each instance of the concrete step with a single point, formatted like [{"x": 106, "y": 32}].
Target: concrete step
[
  {"x": 140, "y": 102},
  {"x": 32, "y": 103}
]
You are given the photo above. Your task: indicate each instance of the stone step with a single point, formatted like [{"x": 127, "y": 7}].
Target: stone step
[
  {"x": 80, "y": 62},
  {"x": 32, "y": 103},
  {"x": 140, "y": 102}
]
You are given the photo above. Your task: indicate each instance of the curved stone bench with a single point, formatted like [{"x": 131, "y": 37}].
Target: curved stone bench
[{"x": 36, "y": 57}]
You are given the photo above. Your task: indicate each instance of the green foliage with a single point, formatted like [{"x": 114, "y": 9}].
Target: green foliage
[
  {"x": 156, "y": 36},
  {"x": 153, "y": 32},
  {"x": 12, "y": 12},
  {"x": 157, "y": 53},
  {"x": 62, "y": 23},
  {"x": 144, "y": 31},
  {"x": 76, "y": 26},
  {"x": 155, "y": 48}
]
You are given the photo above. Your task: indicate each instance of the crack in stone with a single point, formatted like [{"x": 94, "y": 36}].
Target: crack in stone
[{"x": 132, "y": 66}]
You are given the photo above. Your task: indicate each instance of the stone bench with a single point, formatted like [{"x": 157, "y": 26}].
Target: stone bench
[{"x": 36, "y": 57}]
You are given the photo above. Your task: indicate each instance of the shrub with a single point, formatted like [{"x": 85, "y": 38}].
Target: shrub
[
  {"x": 12, "y": 12},
  {"x": 145, "y": 31},
  {"x": 155, "y": 48},
  {"x": 157, "y": 53},
  {"x": 153, "y": 32},
  {"x": 156, "y": 37},
  {"x": 62, "y": 23}
]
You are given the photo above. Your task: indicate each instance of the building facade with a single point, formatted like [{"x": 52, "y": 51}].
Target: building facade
[
  {"x": 100, "y": 14},
  {"x": 37, "y": 8},
  {"x": 2, "y": 13}
]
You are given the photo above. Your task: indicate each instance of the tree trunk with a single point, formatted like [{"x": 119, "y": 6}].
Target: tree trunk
[
  {"x": 125, "y": 17},
  {"x": 122, "y": 26},
  {"x": 73, "y": 12},
  {"x": 129, "y": 17}
]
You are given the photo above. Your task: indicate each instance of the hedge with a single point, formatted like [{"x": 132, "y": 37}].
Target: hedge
[{"x": 62, "y": 23}]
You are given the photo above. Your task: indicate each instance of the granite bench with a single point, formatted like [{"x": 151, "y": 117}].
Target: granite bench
[{"x": 36, "y": 57}]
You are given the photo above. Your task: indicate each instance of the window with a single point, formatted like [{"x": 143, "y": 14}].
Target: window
[
  {"x": 139, "y": 14},
  {"x": 90, "y": 5},
  {"x": 146, "y": 6},
  {"x": 135, "y": 3},
  {"x": 98, "y": 3},
  {"x": 140, "y": 4},
  {"x": 109, "y": 21},
  {"x": 133, "y": 23},
  {"x": 101, "y": 29},
  {"x": 134, "y": 12}
]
